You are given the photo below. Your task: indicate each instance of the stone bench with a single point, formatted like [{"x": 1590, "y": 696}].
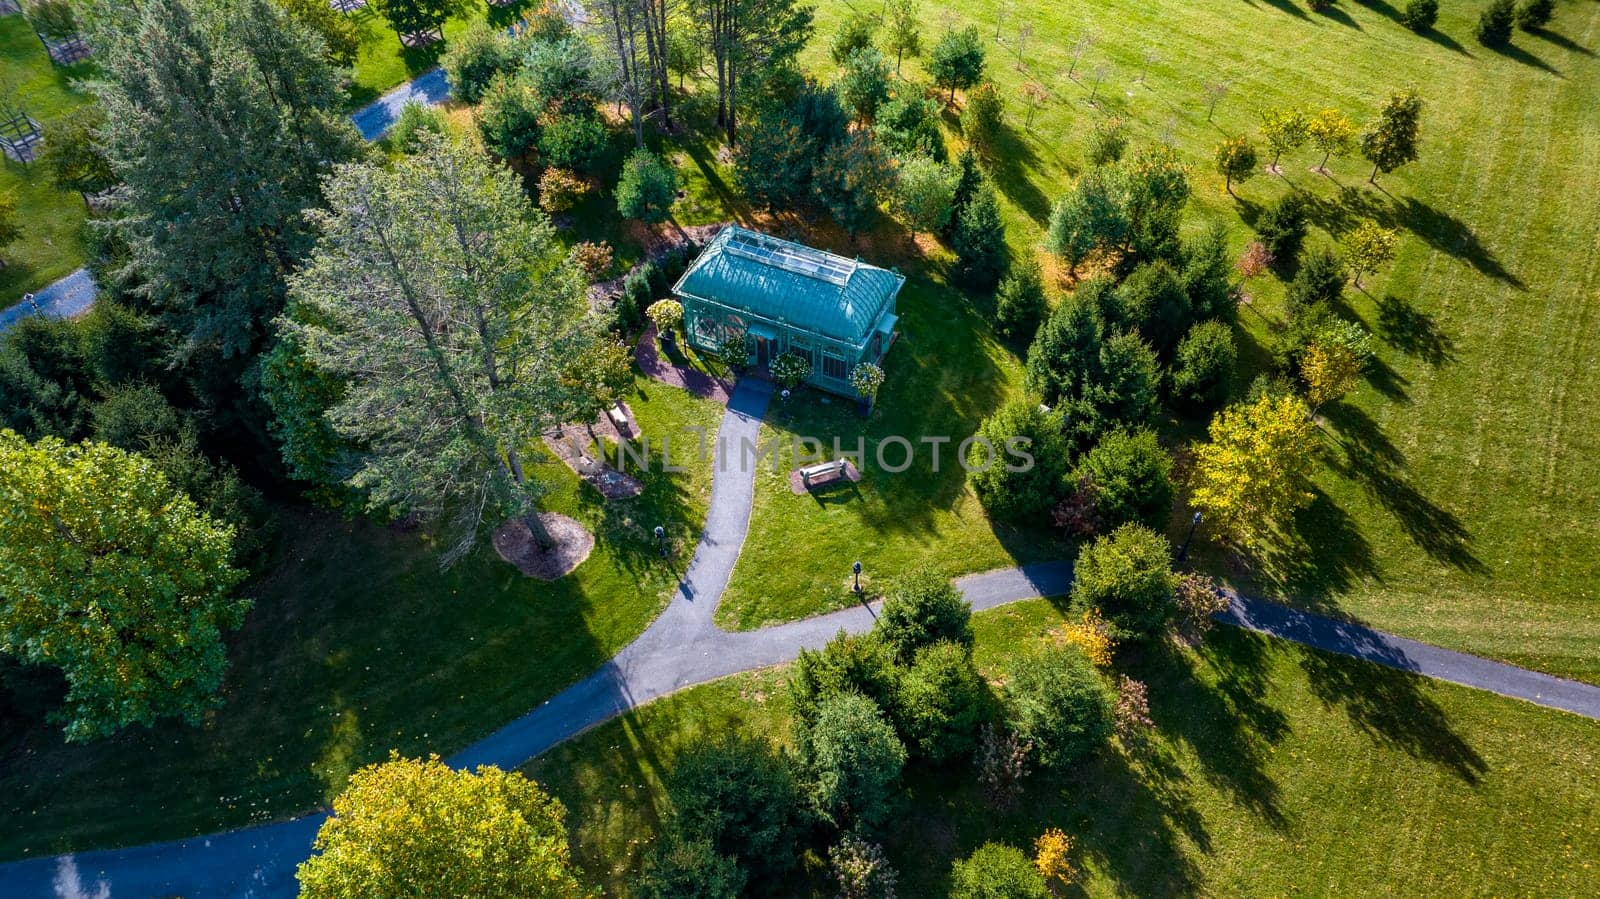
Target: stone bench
[{"x": 829, "y": 470}]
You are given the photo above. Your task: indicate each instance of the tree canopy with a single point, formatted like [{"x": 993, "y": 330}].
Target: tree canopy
[{"x": 113, "y": 575}]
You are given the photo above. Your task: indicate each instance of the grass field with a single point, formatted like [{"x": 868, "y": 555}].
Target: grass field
[
  {"x": 1458, "y": 497},
  {"x": 52, "y": 220},
  {"x": 1271, "y": 770},
  {"x": 358, "y": 644}
]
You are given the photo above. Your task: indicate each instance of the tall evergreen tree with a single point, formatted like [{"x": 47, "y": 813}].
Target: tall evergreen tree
[
  {"x": 447, "y": 306},
  {"x": 980, "y": 240},
  {"x": 221, "y": 120}
]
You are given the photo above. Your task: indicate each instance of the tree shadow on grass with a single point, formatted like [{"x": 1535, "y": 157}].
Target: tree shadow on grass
[
  {"x": 1562, "y": 41},
  {"x": 1514, "y": 52},
  {"x": 1012, "y": 171},
  {"x": 1393, "y": 708},
  {"x": 1413, "y": 332},
  {"x": 1320, "y": 554},
  {"x": 1290, "y": 7},
  {"x": 1447, "y": 42},
  {"x": 1335, "y": 14},
  {"x": 1366, "y": 456},
  {"x": 1439, "y": 229}
]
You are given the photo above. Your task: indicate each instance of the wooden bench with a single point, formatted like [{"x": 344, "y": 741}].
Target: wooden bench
[
  {"x": 830, "y": 470},
  {"x": 619, "y": 420}
]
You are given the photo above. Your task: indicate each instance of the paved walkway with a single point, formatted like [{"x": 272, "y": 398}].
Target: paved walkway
[
  {"x": 684, "y": 647},
  {"x": 74, "y": 294}
]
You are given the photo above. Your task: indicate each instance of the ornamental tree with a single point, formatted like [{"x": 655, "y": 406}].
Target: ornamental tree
[
  {"x": 1108, "y": 140},
  {"x": 1368, "y": 247},
  {"x": 1052, "y": 856},
  {"x": 397, "y": 829},
  {"x": 1256, "y": 469},
  {"x": 957, "y": 60},
  {"x": 111, "y": 574},
  {"x": 446, "y": 304},
  {"x": 904, "y": 34},
  {"x": 1284, "y": 130},
  {"x": 1236, "y": 161},
  {"x": 861, "y": 869},
  {"x": 1057, "y": 701},
  {"x": 852, "y": 761},
  {"x": 1338, "y": 355},
  {"x": 925, "y": 194},
  {"x": 666, "y": 315},
  {"x": 1390, "y": 140},
  {"x": 647, "y": 188},
  {"x": 1332, "y": 133}
]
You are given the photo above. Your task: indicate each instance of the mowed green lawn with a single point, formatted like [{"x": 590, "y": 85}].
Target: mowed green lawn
[
  {"x": 357, "y": 645},
  {"x": 1271, "y": 770},
  {"x": 51, "y": 244},
  {"x": 1459, "y": 496}
]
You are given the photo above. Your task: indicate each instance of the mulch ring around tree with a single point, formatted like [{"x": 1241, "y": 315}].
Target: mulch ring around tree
[
  {"x": 570, "y": 544},
  {"x": 573, "y": 445},
  {"x": 798, "y": 486}
]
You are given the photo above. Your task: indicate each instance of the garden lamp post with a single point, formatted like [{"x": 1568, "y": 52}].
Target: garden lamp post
[
  {"x": 661, "y": 540},
  {"x": 1183, "y": 553},
  {"x": 857, "y": 569}
]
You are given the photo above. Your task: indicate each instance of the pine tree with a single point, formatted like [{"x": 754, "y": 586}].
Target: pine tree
[{"x": 980, "y": 240}]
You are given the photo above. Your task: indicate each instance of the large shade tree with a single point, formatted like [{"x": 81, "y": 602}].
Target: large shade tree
[
  {"x": 445, "y": 302},
  {"x": 113, "y": 575},
  {"x": 412, "y": 827}
]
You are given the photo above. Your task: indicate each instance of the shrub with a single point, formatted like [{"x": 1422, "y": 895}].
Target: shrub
[
  {"x": 647, "y": 188},
  {"x": 861, "y": 869},
  {"x": 666, "y": 315},
  {"x": 573, "y": 140},
  {"x": 415, "y": 120},
  {"x": 54, "y": 19},
  {"x": 908, "y": 125},
  {"x": 1199, "y": 599},
  {"x": 560, "y": 190},
  {"x": 997, "y": 871},
  {"x": 1108, "y": 140},
  {"x": 1010, "y": 486},
  {"x": 1202, "y": 370},
  {"x": 1254, "y": 261},
  {"x": 853, "y": 760},
  {"x": 980, "y": 240},
  {"x": 983, "y": 118},
  {"x": 1019, "y": 304},
  {"x": 1052, "y": 856},
  {"x": 508, "y": 118},
  {"x": 1533, "y": 15},
  {"x": 924, "y": 194},
  {"x": 743, "y": 799},
  {"x": 1127, "y": 577},
  {"x": 791, "y": 369},
  {"x": 1130, "y": 717},
  {"x": 854, "y": 35},
  {"x": 861, "y": 663},
  {"x": 1090, "y": 634},
  {"x": 941, "y": 703},
  {"x": 1131, "y": 477},
  {"x": 1282, "y": 227},
  {"x": 1002, "y": 763},
  {"x": 1057, "y": 701},
  {"x": 474, "y": 57},
  {"x": 735, "y": 351},
  {"x": 866, "y": 379},
  {"x": 682, "y": 868},
  {"x": 1494, "y": 24},
  {"x": 1419, "y": 15},
  {"x": 594, "y": 259},
  {"x": 921, "y": 609}
]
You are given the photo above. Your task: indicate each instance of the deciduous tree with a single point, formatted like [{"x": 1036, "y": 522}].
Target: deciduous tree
[
  {"x": 747, "y": 38},
  {"x": 1368, "y": 247},
  {"x": 1335, "y": 360},
  {"x": 397, "y": 830},
  {"x": 111, "y": 574},
  {"x": 1127, "y": 577},
  {"x": 1284, "y": 130},
  {"x": 1256, "y": 469},
  {"x": 983, "y": 119},
  {"x": 1332, "y": 133},
  {"x": 445, "y": 303},
  {"x": 904, "y": 32},
  {"x": 1390, "y": 140}
]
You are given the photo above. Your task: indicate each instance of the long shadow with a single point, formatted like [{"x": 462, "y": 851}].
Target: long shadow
[
  {"x": 1562, "y": 41},
  {"x": 1512, "y": 51},
  {"x": 1391, "y": 707},
  {"x": 1413, "y": 332},
  {"x": 1290, "y": 7},
  {"x": 1011, "y": 168},
  {"x": 1447, "y": 42},
  {"x": 1335, "y": 14},
  {"x": 1320, "y": 554},
  {"x": 1370, "y": 459},
  {"x": 1436, "y": 227}
]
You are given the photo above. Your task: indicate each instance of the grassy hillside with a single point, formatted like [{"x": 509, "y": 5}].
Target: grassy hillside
[
  {"x": 1457, "y": 503},
  {"x": 1271, "y": 770}
]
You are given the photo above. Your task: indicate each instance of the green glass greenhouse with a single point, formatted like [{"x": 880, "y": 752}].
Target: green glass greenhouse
[{"x": 779, "y": 296}]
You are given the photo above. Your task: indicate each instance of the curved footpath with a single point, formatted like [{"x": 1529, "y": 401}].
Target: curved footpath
[{"x": 683, "y": 647}]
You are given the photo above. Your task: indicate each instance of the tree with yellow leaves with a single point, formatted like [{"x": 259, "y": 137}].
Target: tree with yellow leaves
[
  {"x": 1335, "y": 361},
  {"x": 1332, "y": 133},
  {"x": 1256, "y": 469},
  {"x": 1052, "y": 853},
  {"x": 414, "y": 827}
]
